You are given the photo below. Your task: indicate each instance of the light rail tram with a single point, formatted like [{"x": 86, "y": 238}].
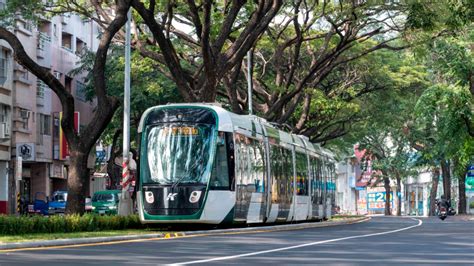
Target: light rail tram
[{"x": 202, "y": 164}]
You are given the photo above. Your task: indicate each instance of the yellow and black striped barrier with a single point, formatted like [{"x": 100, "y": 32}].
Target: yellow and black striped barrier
[{"x": 18, "y": 202}]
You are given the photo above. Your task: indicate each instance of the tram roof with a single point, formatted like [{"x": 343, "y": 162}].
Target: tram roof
[{"x": 247, "y": 124}]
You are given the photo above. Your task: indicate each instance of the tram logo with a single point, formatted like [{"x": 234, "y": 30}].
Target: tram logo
[
  {"x": 171, "y": 196},
  {"x": 195, "y": 196},
  {"x": 149, "y": 197}
]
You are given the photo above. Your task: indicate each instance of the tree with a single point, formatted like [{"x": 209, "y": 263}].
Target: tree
[
  {"x": 149, "y": 88},
  {"x": 441, "y": 113},
  {"x": 306, "y": 59},
  {"x": 385, "y": 140},
  {"x": 197, "y": 44},
  {"x": 79, "y": 145},
  {"x": 385, "y": 113}
]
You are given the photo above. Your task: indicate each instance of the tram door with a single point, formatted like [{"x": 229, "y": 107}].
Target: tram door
[
  {"x": 251, "y": 179},
  {"x": 316, "y": 188}
]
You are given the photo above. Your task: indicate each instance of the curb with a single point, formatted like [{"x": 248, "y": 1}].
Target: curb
[{"x": 118, "y": 239}]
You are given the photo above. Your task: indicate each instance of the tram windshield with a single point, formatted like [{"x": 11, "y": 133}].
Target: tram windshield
[{"x": 178, "y": 153}]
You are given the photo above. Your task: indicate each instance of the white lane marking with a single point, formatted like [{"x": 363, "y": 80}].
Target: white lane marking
[{"x": 299, "y": 246}]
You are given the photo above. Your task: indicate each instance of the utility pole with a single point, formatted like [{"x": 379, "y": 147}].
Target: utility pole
[
  {"x": 18, "y": 178},
  {"x": 125, "y": 203},
  {"x": 249, "y": 80}
]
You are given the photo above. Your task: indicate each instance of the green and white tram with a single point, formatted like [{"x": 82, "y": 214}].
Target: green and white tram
[{"x": 202, "y": 164}]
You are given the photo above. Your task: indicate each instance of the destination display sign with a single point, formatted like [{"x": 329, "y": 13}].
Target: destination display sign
[{"x": 181, "y": 131}]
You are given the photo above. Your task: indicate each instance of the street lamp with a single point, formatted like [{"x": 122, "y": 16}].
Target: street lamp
[{"x": 125, "y": 203}]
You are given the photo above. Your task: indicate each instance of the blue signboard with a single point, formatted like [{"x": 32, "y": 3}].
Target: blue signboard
[
  {"x": 470, "y": 171},
  {"x": 376, "y": 200}
]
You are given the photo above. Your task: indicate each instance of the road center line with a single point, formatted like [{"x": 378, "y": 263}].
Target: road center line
[{"x": 299, "y": 246}]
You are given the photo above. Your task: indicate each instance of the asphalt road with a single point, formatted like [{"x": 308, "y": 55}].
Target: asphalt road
[{"x": 382, "y": 240}]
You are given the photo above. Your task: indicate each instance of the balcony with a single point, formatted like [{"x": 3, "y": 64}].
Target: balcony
[
  {"x": 41, "y": 87},
  {"x": 43, "y": 50}
]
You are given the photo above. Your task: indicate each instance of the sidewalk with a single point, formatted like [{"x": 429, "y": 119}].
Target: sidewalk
[
  {"x": 4, "y": 247},
  {"x": 464, "y": 217}
]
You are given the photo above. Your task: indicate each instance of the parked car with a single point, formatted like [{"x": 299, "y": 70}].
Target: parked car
[
  {"x": 56, "y": 205},
  {"x": 106, "y": 202}
]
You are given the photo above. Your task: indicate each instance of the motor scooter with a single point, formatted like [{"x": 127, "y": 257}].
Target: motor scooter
[
  {"x": 442, "y": 213},
  {"x": 451, "y": 211}
]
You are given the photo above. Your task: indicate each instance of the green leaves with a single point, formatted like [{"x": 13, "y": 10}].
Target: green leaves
[{"x": 440, "y": 114}]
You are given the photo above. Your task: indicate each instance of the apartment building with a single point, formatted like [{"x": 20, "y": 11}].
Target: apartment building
[
  {"x": 56, "y": 44},
  {"x": 6, "y": 79}
]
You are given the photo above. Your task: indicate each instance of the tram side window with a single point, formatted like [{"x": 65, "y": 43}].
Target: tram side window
[
  {"x": 314, "y": 179},
  {"x": 288, "y": 171},
  {"x": 241, "y": 158},
  {"x": 301, "y": 174},
  {"x": 319, "y": 180},
  {"x": 220, "y": 173},
  {"x": 324, "y": 181},
  {"x": 257, "y": 161},
  {"x": 251, "y": 167},
  {"x": 276, "y": 172},
  {"x": 282, "y": 174}
]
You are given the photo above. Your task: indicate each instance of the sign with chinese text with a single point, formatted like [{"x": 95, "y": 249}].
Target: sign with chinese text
[{"x": 376, "y": 200}]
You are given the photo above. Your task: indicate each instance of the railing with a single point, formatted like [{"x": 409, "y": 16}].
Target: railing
[{"x": 44, "y": 43}]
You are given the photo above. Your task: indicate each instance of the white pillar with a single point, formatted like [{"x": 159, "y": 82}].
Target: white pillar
[
  {"x": 125, "y": 203},
  {"x": 416, "y": 199},
  {"x": 425, "y": 199}
]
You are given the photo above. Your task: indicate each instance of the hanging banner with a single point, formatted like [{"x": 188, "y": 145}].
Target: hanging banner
[{"x": 63, "y": 148}]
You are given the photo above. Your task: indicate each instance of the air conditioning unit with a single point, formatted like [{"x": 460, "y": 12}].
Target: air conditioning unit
[
  {"x": 7, "y": 130},
  {"x": 3, "y": 134},
  {"x": 24, "y": 114}
]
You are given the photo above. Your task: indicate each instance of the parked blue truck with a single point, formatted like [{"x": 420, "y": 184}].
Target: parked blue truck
[{"x": 45, "y": 206}]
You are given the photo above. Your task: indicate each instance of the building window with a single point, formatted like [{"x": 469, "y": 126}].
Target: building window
[
  {"x": 22, "y": 73},
  {"x": 28, "y": 26},
  {"x": 43, "y": 38},
  {"x": 40, "y": 88},
  {"x": 80, "y": 91},
  {"x": 66, "y": 41},
  {"x": 3, "y": 113},
  {"x": 24, "y": 115},
  {"x": 44, "y": 122},
  {"x": 55, "y": 31},
  {"x": 3, "y": 65}
]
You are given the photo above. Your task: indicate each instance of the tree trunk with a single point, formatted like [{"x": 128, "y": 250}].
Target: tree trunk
[
  {"x": 399, "y": 195},
  {"x": 112, "y": 172},
  {"x": 78, "y": 175},
  {"x": 446, "y": 178},
  {"x": 386, "y": 184},
  {"x": 434, "y": 191},
  {"x": 462, "y": 192}
]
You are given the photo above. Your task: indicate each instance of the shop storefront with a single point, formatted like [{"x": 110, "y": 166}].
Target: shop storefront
[{"x": 417, "y": 195}]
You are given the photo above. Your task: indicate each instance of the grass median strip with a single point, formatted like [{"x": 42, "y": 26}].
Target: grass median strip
[
  {"x": 28, "y": 237},
  {"x": 345, "y": 217},
  {"x": 49, "y": 236}
]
